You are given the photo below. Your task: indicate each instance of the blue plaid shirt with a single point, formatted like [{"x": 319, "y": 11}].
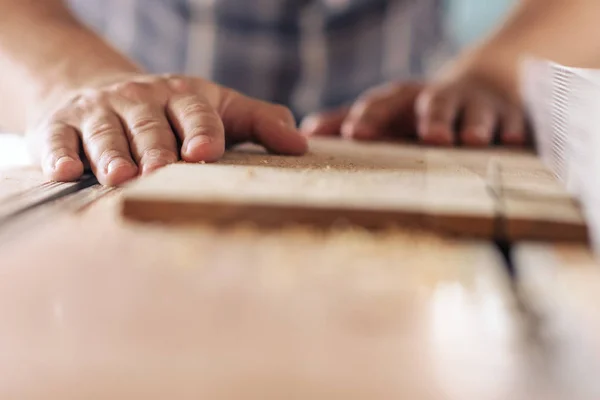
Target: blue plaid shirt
[{"x": 307, "y": 54}]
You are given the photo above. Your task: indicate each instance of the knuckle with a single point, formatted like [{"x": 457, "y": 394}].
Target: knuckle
[
  {"x": 51, "y": 136},
  {"x": 178, "y": 83},
  {"x": 144, "y": 125},
  {"x": 423, "y": 103},
  {"x": 434, "y": 102},
  {"x": 53, "y": 129},
  {"x": 371, "y": 107},
  {"x": 229, "y": 96},
  {"x": 480, "y": 120},
  {"x": 437, "y": 92},
  {"x": 283, "y": 111},
  {"x": 100, "y": 131},
  {"x": 514, "y": 116},
  {"x": 440, "y": 98},
  {"x": 86, "y": 101},
  {"x": 402, "y": 86},
  {"x": 379, "y": 92},
  {"x": 192, "y": 107},
  {"x": 365, "y": 103},
  {"x": 56, "y": 137},
  {"x": 55, "y": 119},
  {"x": 131, "y": 89},
  {"x": 79, "y": 102}
]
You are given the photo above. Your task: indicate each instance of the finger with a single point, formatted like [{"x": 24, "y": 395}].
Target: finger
[
  {"x": 436, "y": 115},
  {"x": 324, "y": 124},
  {"x": 60, "y": 153},
  {"x": 270, "y": 125},
  {"x": 198, "y": 126},
  {"x": 107, "y": 148},
  {"x": 513, "y": 128},
  {"x": 478, "y": 123},
  {"x": 376, "y": 114},
  {"x": 152, "y": 140}
]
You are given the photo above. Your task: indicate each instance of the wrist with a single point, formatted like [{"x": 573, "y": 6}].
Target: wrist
[
  {"x": 51, "y": 88},
  {"x": 496, "y": 67},
  {"x": 87, "y": 62}
]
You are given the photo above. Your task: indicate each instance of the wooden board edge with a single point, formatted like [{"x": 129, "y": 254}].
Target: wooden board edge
[
  {"x": 270, "y": 215},
  {"x": 523, "y": 229}
]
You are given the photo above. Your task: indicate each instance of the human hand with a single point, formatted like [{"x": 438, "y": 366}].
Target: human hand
[
  {"x": 464, "y": 108},
  {"x": 459, "y": 109},
  {"x": 384, "y": 112},
  {"x": 133, "y": 124}
]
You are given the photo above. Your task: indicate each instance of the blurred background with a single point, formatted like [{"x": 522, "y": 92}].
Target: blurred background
[
  {"x": 469, "y": 20},
  {"x": 466, "y": 21}
]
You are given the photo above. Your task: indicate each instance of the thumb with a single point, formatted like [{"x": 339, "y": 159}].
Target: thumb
[
  {"x": 383, "y": 111},
  {"x": 271, "y": 125}
]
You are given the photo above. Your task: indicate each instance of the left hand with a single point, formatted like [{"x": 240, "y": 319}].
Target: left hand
[{"x": 131, "y": 124}]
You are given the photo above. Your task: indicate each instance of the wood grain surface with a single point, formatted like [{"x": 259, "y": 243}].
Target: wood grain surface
[
  {"x": 108, "y": 309},
  {"x": 24, "y": 188},
  {"x": 15, "y": 181},
  {"x": 97, "y": 307},
  {"x": 560, "y": 283}
]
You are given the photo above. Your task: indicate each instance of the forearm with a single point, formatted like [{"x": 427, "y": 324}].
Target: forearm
[
  {"x": 563, "y": 31},
  {"x": 44, "y": 49}
]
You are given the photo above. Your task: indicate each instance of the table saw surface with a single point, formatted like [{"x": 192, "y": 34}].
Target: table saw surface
[{"x": 94, "y": 306}]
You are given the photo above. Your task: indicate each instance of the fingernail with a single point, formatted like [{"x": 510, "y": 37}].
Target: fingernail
[
  {"x": 63, "y": 160},
  {"x": 347, "y": 131},
  {"x": 288, "y": 124},
  {"x": 437, "y": 134},
  {"x": 357, "y": 131},
  {"x": 309, "y": 125},
  {"x": 196, "y": 142},
  {"x": 116, "y": 164}
]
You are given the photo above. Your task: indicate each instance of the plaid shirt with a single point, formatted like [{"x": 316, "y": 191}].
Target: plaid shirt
[{"x": 307, "y": 54}]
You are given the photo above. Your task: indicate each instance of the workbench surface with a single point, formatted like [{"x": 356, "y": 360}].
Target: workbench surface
[{"x": 99, "y": 308}]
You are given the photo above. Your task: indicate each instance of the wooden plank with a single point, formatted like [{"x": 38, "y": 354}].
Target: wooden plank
[
  {"x": 327, "y": 154},
  {"x": 268, "y": 196},
  {"x": 536, "y": 205},
  {"x": 457, "y": 198},
  {"x": 533, "y": 205},
  {"x": 239, "y": 313},
  {"x": 534, "y": 218},
  {"x": 561, "y": 285},
  {"x": 372, "y": 185}
]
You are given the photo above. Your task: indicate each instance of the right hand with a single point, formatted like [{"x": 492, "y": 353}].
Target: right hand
[
  {"x": 457, "y": 108},
  {"x": 134, "y": 124},
  {"x": 464, "y": 107}
]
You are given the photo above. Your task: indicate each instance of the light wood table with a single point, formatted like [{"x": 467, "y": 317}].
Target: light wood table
[{"x": 98, "y": 308}]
